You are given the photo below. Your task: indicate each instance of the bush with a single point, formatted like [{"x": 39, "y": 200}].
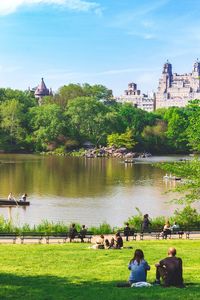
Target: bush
[
  {"x": 101, "y": 229},
  {"x": 188, "y": 217}
]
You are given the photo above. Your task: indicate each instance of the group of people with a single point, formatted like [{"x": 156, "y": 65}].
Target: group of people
[
  {"x": 146, "y": 227},
  {"x": 12, "y": 198},
  {"x": 73, "y": 233},
  {"x": 115, "y": 242},
  {"x": 168, "y": 228},
  {"x": 168, "y": 269}
]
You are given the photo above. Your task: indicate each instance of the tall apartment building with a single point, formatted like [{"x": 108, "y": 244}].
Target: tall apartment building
[
  {"x": 136, "y": 98},
  {"x": 177, "y": 90}
]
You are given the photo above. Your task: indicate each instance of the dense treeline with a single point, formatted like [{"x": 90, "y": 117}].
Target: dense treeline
[{"x": 80, "y": 113}]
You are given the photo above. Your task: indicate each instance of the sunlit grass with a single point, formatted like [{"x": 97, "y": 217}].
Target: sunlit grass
[{"x": 72, "y": 271}]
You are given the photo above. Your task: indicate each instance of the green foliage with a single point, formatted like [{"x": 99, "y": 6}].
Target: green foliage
[
  {"x": 103, "y": 228},
  {"x": 187, "y": 217},
  {"x": 122, "y": 140},
  {"x": 156, "y": 223},
  {"x": 88, "y": 119},
  {"x": 176, "y": 132},
  {"x": 79, "y": 113},
  {"x": 77, "y": 153},
  {"x": 189, "y": 171},
  {"x": 193, "y": 130},
  {"x": 48, "y": 227},
  {"x": 155, "y": 137},
  {"x": 47, "y": 123},
  {"x": 98, "y": 91},
  {"x": 6, "y": 226},
  {"x": 67, "y": 93}
]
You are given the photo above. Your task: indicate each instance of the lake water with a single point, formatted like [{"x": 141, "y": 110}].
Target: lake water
[{"x": 88, "y": 191}]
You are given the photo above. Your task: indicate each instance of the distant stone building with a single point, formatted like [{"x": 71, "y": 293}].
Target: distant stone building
[
  {"x": 177, "y": 90},
  {"x": 136, "y": 98},
  {"x": 41, "y": 91}
]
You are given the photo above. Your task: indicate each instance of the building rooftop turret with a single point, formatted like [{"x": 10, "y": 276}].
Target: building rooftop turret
[{"x": 42, "y": 90}]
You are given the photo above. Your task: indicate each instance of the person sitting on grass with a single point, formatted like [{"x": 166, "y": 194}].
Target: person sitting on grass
[
  {"x": 112, "y": 243},
  {"x": 170, "y": 270},
  {"x": 99, "y": 243},
  {"x": 119, "y": 241},
  {"x": 107, "y": 244},
  {"x": 138, "y": 267},
  {"x": 83, "y": 233},
  {"x": 72, "y": 232},
  {"x": 127, "y": 231}
]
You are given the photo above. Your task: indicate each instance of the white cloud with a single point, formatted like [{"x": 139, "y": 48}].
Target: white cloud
[{"x": 10, "y": 6}]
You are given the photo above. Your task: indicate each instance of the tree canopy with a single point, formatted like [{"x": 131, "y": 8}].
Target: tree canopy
[{"x": 79, "y": 113}]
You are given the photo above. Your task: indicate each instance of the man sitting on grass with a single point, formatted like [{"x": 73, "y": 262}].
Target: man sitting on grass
[{"x": 170, "y": 270}]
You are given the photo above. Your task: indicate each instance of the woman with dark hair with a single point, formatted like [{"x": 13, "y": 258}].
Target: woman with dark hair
[
  {"x": 119, "y": 241},
  {"x": 138, "y": 267},
  {"x": 106, "y": 244}
]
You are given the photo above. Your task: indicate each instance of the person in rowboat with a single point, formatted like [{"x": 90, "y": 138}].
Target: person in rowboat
[
  {"x": 10, "y": 197},
  {"x": 23, "y": 197}
]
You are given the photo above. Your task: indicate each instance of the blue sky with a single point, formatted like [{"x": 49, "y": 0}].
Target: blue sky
[{"x": 111, "y": 42}]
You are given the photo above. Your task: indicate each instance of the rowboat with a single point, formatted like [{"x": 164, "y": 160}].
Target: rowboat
[
  {"x": 129, "y": 161},
  {"x": 13, "y": 202},
  {"x": 170, "y": 177}
]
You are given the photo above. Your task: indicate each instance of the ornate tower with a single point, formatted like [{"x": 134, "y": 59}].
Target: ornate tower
[
  {"x": 195, "y": 82},
  {"x": 41, "y": 91},
  {"x": 167, "y": 74}
]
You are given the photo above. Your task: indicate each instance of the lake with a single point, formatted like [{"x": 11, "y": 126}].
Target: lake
[{"x": 88, "y": 191}]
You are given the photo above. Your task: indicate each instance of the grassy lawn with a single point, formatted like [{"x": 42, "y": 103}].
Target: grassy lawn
[{"x": 72, "y": 271}]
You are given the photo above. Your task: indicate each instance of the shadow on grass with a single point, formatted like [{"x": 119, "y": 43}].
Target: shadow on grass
[{"x": 58, "y": 288}]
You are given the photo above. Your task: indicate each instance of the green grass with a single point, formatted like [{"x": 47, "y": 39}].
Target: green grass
[{"x": 72, "y": 271}]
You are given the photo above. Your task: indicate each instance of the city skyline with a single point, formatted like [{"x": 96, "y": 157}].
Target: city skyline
[{"x": 111, "y": 43}]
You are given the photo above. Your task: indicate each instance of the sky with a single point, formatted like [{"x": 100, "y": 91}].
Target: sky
[{"x": 109, "y": 42}]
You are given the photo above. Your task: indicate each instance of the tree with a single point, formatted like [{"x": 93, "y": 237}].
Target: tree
[
  {"x": 193, "y": 130},
  {"x": 177, "y": 119},
  {"x": 155, "y": 137},
  {"x": 125, "y": 139},
  {"x": 97, "y": 91},
  {"x": 67, "y": 93},
  {"x": 89, "y": 119},
  {"x": 10, "y": 120},
  {"x": 189, "y": 171},
  {"x": 48, "y": 124}
]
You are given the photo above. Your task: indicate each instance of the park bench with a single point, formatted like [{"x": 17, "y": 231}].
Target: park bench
[
  {"x": 132, "y": 233},
  {"x": 177, "y": 232},
  {"x": 8, "y": 236},
  {"x": 193, "y": 231},
  {"x": 156, "y": 234},
  {"x": 32, "y": 236},
  {"x": 173, "y": 233},
  {"x": 88, "y": 236},
  {"x": 56, "y": 236}
]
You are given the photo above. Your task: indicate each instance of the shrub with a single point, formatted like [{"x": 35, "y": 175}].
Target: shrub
[
  {"x": 104, "y": 228},
  {"x": 187, "y": 217}
]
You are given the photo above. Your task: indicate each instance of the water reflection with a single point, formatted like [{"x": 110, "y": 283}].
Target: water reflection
[{"x": 85, "y": 190}]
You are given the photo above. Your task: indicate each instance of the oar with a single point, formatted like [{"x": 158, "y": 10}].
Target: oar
[{"x": 16, "y": 202}]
